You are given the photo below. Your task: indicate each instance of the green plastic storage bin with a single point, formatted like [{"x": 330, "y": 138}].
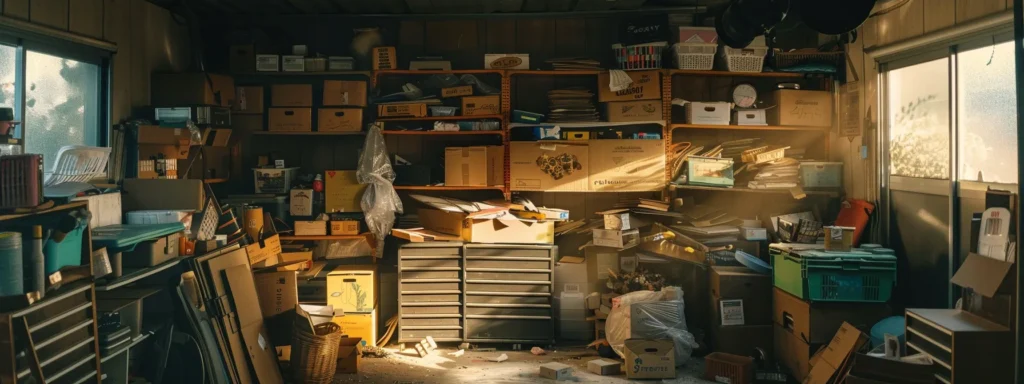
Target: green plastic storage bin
[{"x": 817, "y": 275}]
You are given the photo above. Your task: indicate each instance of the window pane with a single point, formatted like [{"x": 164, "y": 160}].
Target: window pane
[
  {"x": 8, "y": 56},
  {"x": 987, "y": 111},
  {"x": 61, "y": 104},
  {"x": 919, "y": 120}
]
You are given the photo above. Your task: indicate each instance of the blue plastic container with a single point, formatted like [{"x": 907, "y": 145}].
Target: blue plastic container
[
  {"x": 65, "y": 253},
  {"x": 12, "y": 281}
]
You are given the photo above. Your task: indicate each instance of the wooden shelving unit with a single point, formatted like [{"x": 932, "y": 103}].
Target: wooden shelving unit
[
  {"x": 441, "y": 118},
  {"x": 750, "y": 127},
  {"x": 756, "y": 191},
  {"x": 446, "y": 188},
  {"x": 554, "y": 72},
  {"x": 323, "y": 73},
  {"x": 326, "y": 237},
  {"x": 284, "y": 133},
  {"x": 690, "y": 72},
  {"x": 444, "y": 133}
]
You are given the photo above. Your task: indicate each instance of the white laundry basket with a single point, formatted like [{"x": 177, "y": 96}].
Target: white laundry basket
[{"x": 78, "y": 164}]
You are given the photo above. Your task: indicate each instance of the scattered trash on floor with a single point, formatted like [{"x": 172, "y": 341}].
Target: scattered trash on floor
[
  {"x": 498, "y": 359},
  {"x": 458, "y": 353},
  {"x": 538, "y": 351}
]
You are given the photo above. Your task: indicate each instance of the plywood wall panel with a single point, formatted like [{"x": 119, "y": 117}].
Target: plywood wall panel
[
  {"x": 972, "y": 9},
  {"x": 939, "y": 14},
  {"x": 500, "y": 36},
  {"x": 86, "y": 17},
  {"x": 117, "y": 31},
  {"x": 51, "y": 13},
  {"x": 16, "y": 9}
]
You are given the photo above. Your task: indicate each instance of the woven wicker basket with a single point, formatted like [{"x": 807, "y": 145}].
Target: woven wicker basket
[{"x": 315, "y": 357}]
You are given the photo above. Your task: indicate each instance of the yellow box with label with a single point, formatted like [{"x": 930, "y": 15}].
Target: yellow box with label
[{"x": 352, "y": 288}]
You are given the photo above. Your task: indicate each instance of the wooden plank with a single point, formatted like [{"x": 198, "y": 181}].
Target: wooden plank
[
  {"x": 52, "y": 13},
  {"x": 973, "y": 9},
  {"x": 16, "y": 9},
  {"x": 500, "y": 37},
  {"x": 939, "y": 14},
  {"x": 411, "y": 39},
  {"x": 86, "y": 17},
  {"x": 571, "y": 37},
  {"x": 535, "y": 36},
  {"x": 118, "y": 31},
  {"x": 869, "y": 32},
  {"x": 911, "y": 19}
]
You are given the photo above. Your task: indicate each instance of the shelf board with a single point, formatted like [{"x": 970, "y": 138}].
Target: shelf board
[
  {"x": 142, "y": 337},
  {"x": 596, "y": 124},
  {"x": 750, "y": 127},
  {"x": 756, "y": 191},
  {"x": 326, "y": 237},
  {"x": 552, "y": 72},
  {"x": 444, "y": 133},
  {"x": 323, "y": 73},
  {"x": 438, "y": 72},
  {"x": 441, "y": 118},
  {"x": 57, "y": 208},
  {"x": 446, "y": 188},
  {"x": 285, "y": 133},
  {"x": 216, "y": 181},
  {"x": 131, "y": 275},
  {"x": 691, "y": 72}
]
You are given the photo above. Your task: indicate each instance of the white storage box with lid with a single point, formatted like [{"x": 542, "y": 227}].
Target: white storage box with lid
[
  {"x": 274, "y": 180},
  {"x": 820, "y": 174},
  {"x": 749, "y": 59},
  {"x": 715, "y": 113}
]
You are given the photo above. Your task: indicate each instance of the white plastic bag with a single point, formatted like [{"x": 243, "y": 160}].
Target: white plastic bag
[
  {"x": 664, "y": 319},
  {"x": 380, "y": 202}
]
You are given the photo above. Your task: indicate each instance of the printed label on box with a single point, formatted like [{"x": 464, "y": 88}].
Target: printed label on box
[{"x": 732, "y": 312}]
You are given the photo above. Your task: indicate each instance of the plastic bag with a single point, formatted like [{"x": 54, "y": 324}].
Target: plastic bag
[
  {"x": 659, "y": 315},
  {"x": 380, "y": 202}
]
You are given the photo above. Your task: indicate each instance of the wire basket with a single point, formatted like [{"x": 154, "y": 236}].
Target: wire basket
[
  {"x": 728, "y": 368},
  {"x": 314, "y": 357},
  {"x": 749, "y": 59},
  {"x": 695, "y": 56},
  {"x": 77, "y": 164},
  {"x": 640, "y": 56}
]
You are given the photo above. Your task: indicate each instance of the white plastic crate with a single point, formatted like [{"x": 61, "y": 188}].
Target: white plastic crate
[
  {"x": 749, "y": 59},
  {"x": 695, "y": 56},
  {"x": 274, "y": 180}
]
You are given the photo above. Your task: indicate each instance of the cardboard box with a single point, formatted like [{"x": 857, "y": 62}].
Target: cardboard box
[
  {"x": 753, "y": 234},
  {"x": 339, "y": 120},
  {"x": 295, "y": 261},
  {"x": 293, "y": 63},
  {"x": 250, "y": 123},
  {"x": 866, "y": 369},
  {"x": 800, "y": 108},
  {"x": 818, "y": 322},
  {"x": 352, "y": 288},
  {"x": 555, "y": 371},
  {"x": 646, "y": 86},
  {"x": 549, "y": 166},
  {"x": 716, "y": 113},
  {"x": 475, "y": 230},
  {"x": 985, "y": 275},
  {"x": 310, "y": 228},
  {"x": 481, "y": 105},
  {"x": 614, "y": 238},
  {"x": 741, "y": 339},
  {"x": 350, "y": 353},
  {"x": 742, "y": 283},
  {"x": 838, "y": 238},
  {"x": 466, "y": 166},
  {"x": 162, "y": 195},
  {"x": 291, "y": 95},
  {"x": 384, "y": 58},
  {"x": 278, "y": 295},
  {"x": 599, "y": 261},
  {"x": 169, "y": 143},
  {"x": 628, "y": 111},
  {"x": 622, "y": 219},
  {"x": 242, "y": 291},
  {"x": 360, "y": 325},
  {"x": 290, "y": 120},
  {"x": 344, "y": 227},
  {"x": 342, "y": 192},
  {"x": 627, "y": 165},
  {"x": 792, "y": 352},
  {"x": 834, "y": 357},
  {"x": 300, "y": 202},
  {"x": 465, "y": 90},
  {"x": 650, "y": 359},
  {"x": 604, "y": 367},
  {"x": 344, "y": 93},
  {"x": 506, "y": 61},
  {"x": 264, "y": 253},
  {"x": 242, "y": 59},
  {"x": 192, "y": 88},
  {"x": 571, "y": 275},
  {"x": 268, "y": 63},
  {"x": 402, "y": 110},
  {"x": 248, "y": 100}
]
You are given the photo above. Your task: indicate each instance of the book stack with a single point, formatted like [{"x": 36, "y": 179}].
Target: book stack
[
  {"x": 573, "y": 105},
  {"x": 779, "y": 174}
]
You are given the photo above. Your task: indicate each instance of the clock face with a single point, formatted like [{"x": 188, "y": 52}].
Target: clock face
[{"x": 744, "y": 95}]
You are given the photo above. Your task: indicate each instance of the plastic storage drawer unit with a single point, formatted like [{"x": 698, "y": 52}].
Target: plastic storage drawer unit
[{"x": 861, "y": 275}]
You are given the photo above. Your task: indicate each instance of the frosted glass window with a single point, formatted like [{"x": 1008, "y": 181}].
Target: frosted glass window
[
  {"x": 61, "y": 102},
  {"x": 987, "y": 110},
  {"x": 8, "y": 57},
  {"x": 919, "y": 120}
]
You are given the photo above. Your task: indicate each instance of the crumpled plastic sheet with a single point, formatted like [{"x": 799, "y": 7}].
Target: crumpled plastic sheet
[
  {"x": 380, "y": 201},
  {"x": 660, "y": 316}
]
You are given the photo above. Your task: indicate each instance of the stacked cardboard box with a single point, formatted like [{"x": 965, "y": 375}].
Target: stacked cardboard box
[{"x": 741, "y": 310}]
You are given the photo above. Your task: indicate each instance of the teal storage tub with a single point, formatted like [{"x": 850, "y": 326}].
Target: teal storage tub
[
  {"x": 68, "y": 252},
  {"x": 861, "y": 275}
]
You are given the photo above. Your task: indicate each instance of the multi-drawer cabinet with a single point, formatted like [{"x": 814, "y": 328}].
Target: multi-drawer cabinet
[
  {"x": 965, "y": 348},
  {"x": 430, "y": 295},
  {"x": 509, "y": 292}
]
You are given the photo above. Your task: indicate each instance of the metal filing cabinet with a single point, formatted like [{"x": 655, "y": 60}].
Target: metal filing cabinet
[
  {"x": 509, "y": 293},
  {"x": 430, "y": 295},
  {"x": 964, "y": 347}
]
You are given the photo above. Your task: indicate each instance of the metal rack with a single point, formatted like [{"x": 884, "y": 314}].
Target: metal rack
[
  {"x": 430, "y": 292},
  {"x": 509, "y": 295}
]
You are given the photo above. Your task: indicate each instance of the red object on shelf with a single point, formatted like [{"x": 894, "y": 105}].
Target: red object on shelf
[{"x": 855, "y": 213}]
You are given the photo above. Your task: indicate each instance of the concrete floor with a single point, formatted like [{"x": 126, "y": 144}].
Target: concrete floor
[{"x": 474, "y": 367}]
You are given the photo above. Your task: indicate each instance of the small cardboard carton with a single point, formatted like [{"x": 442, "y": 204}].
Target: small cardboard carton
[
  {"x": 740, "y": 283},
  {"x": 290, "y": 119},
  {"x": 384, "y": 58},
  {"x": 465, "y": 90},
  {"x": 344, "y": 227},
  {"x": 795, "y": 107},
  {"x": 621, "y": 220},
  {"x": 614, "y": 238},
  {"x": 467, "y": 166},
  {"x": 817, "y": 322},
  {"x": 630, "y": 111},
  {"x": 486, "y": 230},
  {"x": 162, "y": 195},
  {"x": 248, "y": 100},
  {"x": 350, "y": 353},
  {"x": 342, "y": 191},
  {"x": 264, "y": 253},
  {"x": 838, "y": 238},
  {"x": 985, "y": 275},
  {"x": 650, "y": 359},
  {"x": 627, "y": 165},
  {"x": 339, "y": 120},
  {"x": 555, "y": 371},
  {"x": 344, "y": 93},
  {"x": 361, "y": 325},
  {"x": 507, "y": 60},
  {"x": 604, "y": 367},
  {"x": 310, "y": 228},
  {"x": 865, "y": 369},
  {"x": 300, "y": 202},
  {"x": 549, "y": 166},
  {"x": 646, "y": 86},
  {"x": 291, "y": 95},
  {"x": 481, "y": 105},
  {"x": 834, "y": 357},
  {"x": 402, "y": 110}
]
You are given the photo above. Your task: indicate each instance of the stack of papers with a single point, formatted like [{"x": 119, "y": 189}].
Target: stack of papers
[
  {"x": 779, "y": 174},
  {"x": 573, "y": 105}
]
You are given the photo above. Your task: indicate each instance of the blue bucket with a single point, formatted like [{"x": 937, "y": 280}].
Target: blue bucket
[{"x": 12, "y": 281}]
